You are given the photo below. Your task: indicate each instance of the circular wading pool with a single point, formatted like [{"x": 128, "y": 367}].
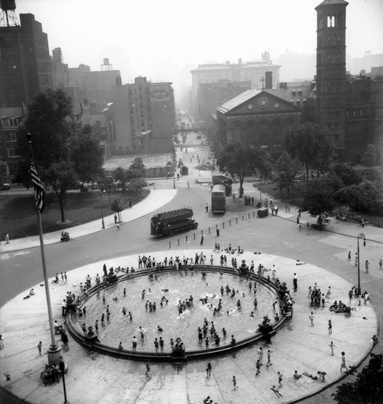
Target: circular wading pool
[{"x": 176, "y": 286}]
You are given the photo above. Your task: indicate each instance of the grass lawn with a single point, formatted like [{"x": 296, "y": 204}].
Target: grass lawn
[
  {"x": 296, "y": 193},
  {"x": 18, "y": 212}
]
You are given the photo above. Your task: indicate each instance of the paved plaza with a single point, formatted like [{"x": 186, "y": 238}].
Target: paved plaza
[{"x": 298, "y": 346}]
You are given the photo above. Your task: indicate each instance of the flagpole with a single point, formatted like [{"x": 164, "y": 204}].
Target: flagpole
[{"x": 54, "y": 351}]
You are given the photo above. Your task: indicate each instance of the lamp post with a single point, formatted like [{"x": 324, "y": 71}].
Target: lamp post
[
  {"x": 62, "y": 368},
  {"x": 361, "y": 235},
  {"x": 102, "y": 212},
  {"x": 174, "y": 180}
]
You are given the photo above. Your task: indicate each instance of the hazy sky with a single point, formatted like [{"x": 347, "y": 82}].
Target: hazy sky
[{"x": 157, "y": 38}]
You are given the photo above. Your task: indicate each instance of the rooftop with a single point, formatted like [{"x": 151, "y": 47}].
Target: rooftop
[{"x": 236, "y": 101}]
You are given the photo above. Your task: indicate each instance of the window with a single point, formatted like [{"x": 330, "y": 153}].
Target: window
[
  {"x": 12, "y": 122},
  {"x": 12, "y": 152},
  {"x": 10, "y": 137}
]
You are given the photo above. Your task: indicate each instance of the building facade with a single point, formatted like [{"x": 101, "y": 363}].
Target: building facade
[
  {"x": 25, "y": 69},
  {"x": 255, "y": 118},
  {"x": 261, "y": 73},
  {"x": 141, "y": 118},
  {"x": 212, "y": 95},
  {"x": 24, "y": 62}
]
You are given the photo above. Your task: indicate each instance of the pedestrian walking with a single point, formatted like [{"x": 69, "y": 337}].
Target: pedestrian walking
[
  {"x": 367, "y": 265},
  {"x": 118, "y": 226},
  {"x": 311, "y": 317},
  {"x": 7, "y": 238},
  {"x": 208, "y": 370},
  {"x": 65, "y": 341},
  {"x": 380, "y": 264},
  {"x": 295, "y": 282},
  {"x": 329, "y": 327},
  {"x": 280, "y": 377},
  {"x": 349, "y": 256},
  {"x": 343, "y": 363},
  {"x": 39, "y": 347},
  {"x": 63, "y": 307},
  {"x": 217, "y": 230},
  {"x": 260, "y": 355},
  {"x": 258, "y": 366},
  {"x": 115, "y": 219},
  {"x": 269, "y": 358},
  {"x": 202, "y": 238},
  {"x": 207, "y": 208},
  {"x": 356, "y": 259},
  {"x": 235, "y": 383},
  {"x": 332, "y": 346},
  {"x": 134, "y": 344}
]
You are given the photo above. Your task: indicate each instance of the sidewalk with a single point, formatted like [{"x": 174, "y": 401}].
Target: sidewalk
[{"x": 155, "y": 200}]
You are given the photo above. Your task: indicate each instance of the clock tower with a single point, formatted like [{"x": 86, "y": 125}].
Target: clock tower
[{"x": 331, "y": 68}]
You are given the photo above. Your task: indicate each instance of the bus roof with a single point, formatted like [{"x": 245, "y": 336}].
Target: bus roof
[{"x": 219, "y": 188}]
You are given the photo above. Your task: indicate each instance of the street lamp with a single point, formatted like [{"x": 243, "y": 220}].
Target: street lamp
[
  {"x": 102, "y": 212},
  {"x": 361, "y": 235},
  {"x": 62, "y": 368},
  {"x": 174, "y": 180}
]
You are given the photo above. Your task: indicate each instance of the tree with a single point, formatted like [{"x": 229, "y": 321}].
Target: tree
[
  {"x": 137, "y": 169},
  {"x": 287, "y": 169},
  {"x": 319, "y": 195},
  {"x": 349, "y": 175},
  {"x": 61, "y": 176},
  {"x": 86, "y": 155},
  {"x": 369, "y": 156},
  {"x": 47, "y": 122},
  {"x": 239, "y": 160},
  {"x": 363, "y": 197},
  {"x": 311, "y": 144},
  {"x": 116, "y": 207},
  {"x": 136, "y": 184},
  {"x": 121, "y": 176},
  {"x": 368, "y": 386}
]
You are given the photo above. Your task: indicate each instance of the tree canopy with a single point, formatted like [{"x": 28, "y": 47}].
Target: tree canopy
[
  {"x": 239, "y": 160},
  {"x": 348, "y": 175},
  {"x": 311, "y": 144},
  {"x": 319, "y": 195},
  {"x": 48, "y": 123},
  {"x": 362, "y": 197},
  {"x": 369, "y": 156},
  {"x": 368, "y": 386},
  {"x": 286, "y": 171},
  {"x": 61, "y": 177},
  {"x": 137, "y": 169},
  {"x": 86, "y": 155},
  {"x": 60, "y": 160}
]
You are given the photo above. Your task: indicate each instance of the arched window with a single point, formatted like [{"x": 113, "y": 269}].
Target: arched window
[
  {"x": 277, "y": 136},
  {"x": 237, "y": 132},
  {"x": 264, "y": 138},
  {"x": 250, "y": 133}
]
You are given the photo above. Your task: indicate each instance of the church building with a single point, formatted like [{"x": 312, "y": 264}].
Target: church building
[{"x": 255, "y": 118}]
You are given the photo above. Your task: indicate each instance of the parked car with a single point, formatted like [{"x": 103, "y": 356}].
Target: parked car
[{"x": 5, "y": 186}]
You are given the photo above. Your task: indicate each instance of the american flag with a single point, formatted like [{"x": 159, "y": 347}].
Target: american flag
[{"x": 39, "y": 188}]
